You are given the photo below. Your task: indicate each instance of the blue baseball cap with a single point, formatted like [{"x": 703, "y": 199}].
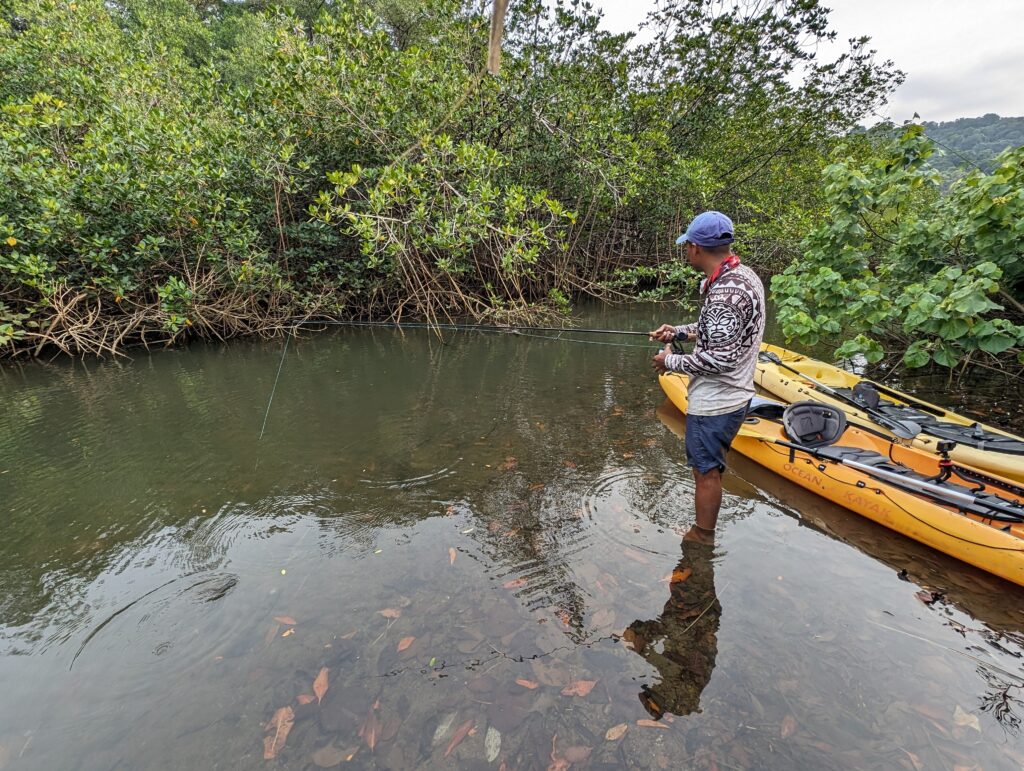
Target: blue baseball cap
[{"x": 710, "y": 228}]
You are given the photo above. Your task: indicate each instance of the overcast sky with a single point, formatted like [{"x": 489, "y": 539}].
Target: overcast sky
[{"x": 963, "y": 58}]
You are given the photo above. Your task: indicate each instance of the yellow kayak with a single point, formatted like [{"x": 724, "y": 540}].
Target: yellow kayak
[
  {"x": 979, "y": 445},
  {"x": 855, "y": 470}
]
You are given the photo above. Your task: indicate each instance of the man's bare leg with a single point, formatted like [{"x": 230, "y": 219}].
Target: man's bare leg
[{"x": 708, "y": 498}]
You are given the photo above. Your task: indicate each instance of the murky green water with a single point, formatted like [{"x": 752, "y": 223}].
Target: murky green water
[{"x": 477, "y": 537}]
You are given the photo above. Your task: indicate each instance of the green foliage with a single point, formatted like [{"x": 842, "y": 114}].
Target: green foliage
[
  {"x": 898, "y": 259},
  {"x": 171, "y": 167}
]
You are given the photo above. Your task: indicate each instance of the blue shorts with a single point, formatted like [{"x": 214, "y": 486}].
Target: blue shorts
[{"x": 708, "y": 438}]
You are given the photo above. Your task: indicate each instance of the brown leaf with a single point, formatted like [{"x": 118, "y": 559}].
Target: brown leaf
[
  {"x": 914, "y": 759},
  {"x": 788, "y": 726},
  {"x": 451, "y": 555},
  {"x": 616, "y": 732},
  {"x": 460, "y": 733},
  {"x": 650, "y": 724},
  {"x": 320, "y": 684},
  {"x": 576, "y": 754},
  {"x": 405, "y": 642},
  {"x": 579, "y": 688},
  {"x": 286, "y": 620},
  {"x": 305, "y": 698},
  {"x": 515, "y": 583},
  {"x": 526, "y": 683},
  {"x": 568, "y": 464},
  {"x": 349, "y": 636},
  {"x": 390, "y": 612},
  {"x": 371, "y": 727},
  {"x": 278, "y": 729},
  {"x": 509, "y": 464}
]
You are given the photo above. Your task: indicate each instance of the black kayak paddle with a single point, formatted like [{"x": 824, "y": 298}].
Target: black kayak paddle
[{"x": 904, "y": 429}]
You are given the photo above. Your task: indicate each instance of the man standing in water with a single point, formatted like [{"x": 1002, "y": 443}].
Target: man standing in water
[{"x": 728, "y": 336}]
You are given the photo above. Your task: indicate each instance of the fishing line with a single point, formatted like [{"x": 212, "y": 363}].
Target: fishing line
[
  {"x": 519, "y": 331},
  {"x": 273, "y": 390}
]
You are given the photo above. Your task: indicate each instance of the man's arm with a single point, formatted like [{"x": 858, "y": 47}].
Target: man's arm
[
  {"x": 720, "y": 348},
  {"x": 686, "y": 331}
]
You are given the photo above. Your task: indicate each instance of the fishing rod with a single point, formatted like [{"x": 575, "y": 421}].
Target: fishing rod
[{"x": 509, "y": 328}]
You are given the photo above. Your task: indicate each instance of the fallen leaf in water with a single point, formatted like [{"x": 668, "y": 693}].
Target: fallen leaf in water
[
  {"x": 964, "y": 718},
  {"x": 512, "y": 533},
  {"x": 627, "y": 455},
  {"x": 460, "y": 733},
  {"x": 405, "y": 642},
  {"x": 349, "y": 636},
  {"x": 492, "y": 744},
  {"x": 449, "y": 510},
  {"x": 527, "y": 683},
  {"x": 369, "y": 730},
  {"x": 650, "y": 724},
  {"x": 576, "y": 754},
  {"x": 579, "y": 688},
  {"x": 616, "y": 732},
  {"x": 286, "y": 620},
  {"x": 288, "y": 633},
  {"x": 568, "y": 464},
  {"x": 515, "y": 583},
  {"x": 564, "y": 617},
  {"x": 305, "y": 698},
  {"x": 509, "y": 464},
  {"x": 451, "y": 555},
  {"x": 390, "y": 612},
  {"x": 320, "y": 684},
  {"x": 331, "y": 756},
  {"x": 914, "y": 759},
  {"x": 678, "y": 576},
  {"x": 788, "y": 726},
  {"x": 278, "y": 728}
]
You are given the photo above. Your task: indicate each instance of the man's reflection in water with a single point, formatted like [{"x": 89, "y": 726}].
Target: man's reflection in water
[{"x": 682, "y": 643}]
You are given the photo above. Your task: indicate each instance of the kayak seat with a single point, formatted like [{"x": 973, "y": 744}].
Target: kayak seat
[
  {"x": 760, "y": 407},
  {"x": 813, "y": 424}
]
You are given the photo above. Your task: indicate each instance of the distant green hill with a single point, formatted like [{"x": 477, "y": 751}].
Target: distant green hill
[{"x": 966, "y": 142}]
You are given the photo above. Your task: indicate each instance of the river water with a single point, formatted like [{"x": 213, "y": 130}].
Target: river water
[{"x": 459, "y": 553}]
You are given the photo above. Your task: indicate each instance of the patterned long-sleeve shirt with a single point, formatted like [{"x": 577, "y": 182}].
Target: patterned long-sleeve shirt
[{"x": 729, "y": 331}]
